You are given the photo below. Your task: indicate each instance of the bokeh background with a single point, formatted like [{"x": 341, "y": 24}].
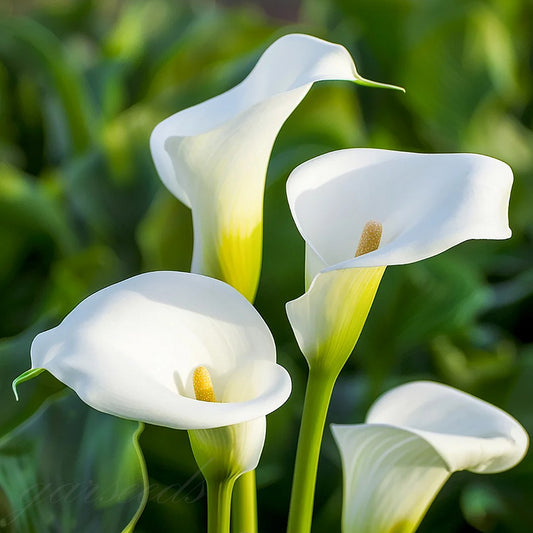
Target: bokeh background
[{"x": 83, "y": 83}]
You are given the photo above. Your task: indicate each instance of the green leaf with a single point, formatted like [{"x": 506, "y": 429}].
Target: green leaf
[
  {"x": 37, "y": 48},
  {"x": 415, "y": 303},
  {"x": 70, "y": 468},
  {"x": 29, "y": 208}
]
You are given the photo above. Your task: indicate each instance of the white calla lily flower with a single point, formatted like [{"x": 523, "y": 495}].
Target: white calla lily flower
[
  {"x": 423, "y": 204},
  {"x": 415, "y": 437},
  {"x": 131, "y": 350},
  {"x": 214, "y": 156}
]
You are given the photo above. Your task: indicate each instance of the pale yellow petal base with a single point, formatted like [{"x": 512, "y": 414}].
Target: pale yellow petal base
[{"x": 329, "y": 317}]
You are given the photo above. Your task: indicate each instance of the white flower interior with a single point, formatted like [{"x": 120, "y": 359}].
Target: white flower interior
[
  {"x": 425, "y": 202},
  {"x": 131, "y": 350}
]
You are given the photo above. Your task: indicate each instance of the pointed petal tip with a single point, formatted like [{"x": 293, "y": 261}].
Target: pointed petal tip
[
  {"x": 14, "y": 389},
  {"x": 25, "y": 376},
  {"x": 359, "y": 80}
]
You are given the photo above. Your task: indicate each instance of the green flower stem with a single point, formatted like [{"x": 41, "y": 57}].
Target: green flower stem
[
  {"x": 219, "y": 504},
  {"x": 317, "y": 397},
  {"x": 245, "y": 504}
]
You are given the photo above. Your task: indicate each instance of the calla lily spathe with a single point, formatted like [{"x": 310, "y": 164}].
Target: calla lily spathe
[
  {"x": 130, "y": 350},
  {"x": 426, "y": 203},
  {"x": 213, "y": 156},
  {"x": 415, "y": 437}
]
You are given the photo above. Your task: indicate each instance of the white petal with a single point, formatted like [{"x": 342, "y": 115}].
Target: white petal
[
  {"x": 327, "y": 320},
  {"x": 416, "y": 435},
  {"x": 214, "y": 156},
  {"x": 292, "y": 62},
  {"x": 425, "y": 202},
  {"x": 467, "y": 432},
  {"x": 390, "y": 478},
  {"x": 130, "y": 350}
]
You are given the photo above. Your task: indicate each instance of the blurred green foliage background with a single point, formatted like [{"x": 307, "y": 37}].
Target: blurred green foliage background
[{"x": 83, "y": 83}]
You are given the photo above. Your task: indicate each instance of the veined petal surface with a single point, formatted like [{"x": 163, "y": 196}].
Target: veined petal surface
[
  {"x": 415, "y": 437},
  {"x": 131, "y": 348},
  {"x": 213, "y": 156},
  {"x": 426, "y": 203}
]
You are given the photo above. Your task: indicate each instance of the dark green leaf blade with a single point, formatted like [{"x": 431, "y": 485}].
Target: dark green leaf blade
[{"x": 70, "y": 468}]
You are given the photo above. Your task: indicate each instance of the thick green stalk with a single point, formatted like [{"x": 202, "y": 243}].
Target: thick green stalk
[
  {"x": 317, "y": 397},
  {"x": 219, "y": 505},
  {"x": 245, "y": 504}
]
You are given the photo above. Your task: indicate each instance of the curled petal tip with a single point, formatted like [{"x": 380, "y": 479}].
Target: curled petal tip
[
  {"x": 14, "y": 389},
  {"x": 25, "y": 376},
  {"x": 378, "y": 85}
]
